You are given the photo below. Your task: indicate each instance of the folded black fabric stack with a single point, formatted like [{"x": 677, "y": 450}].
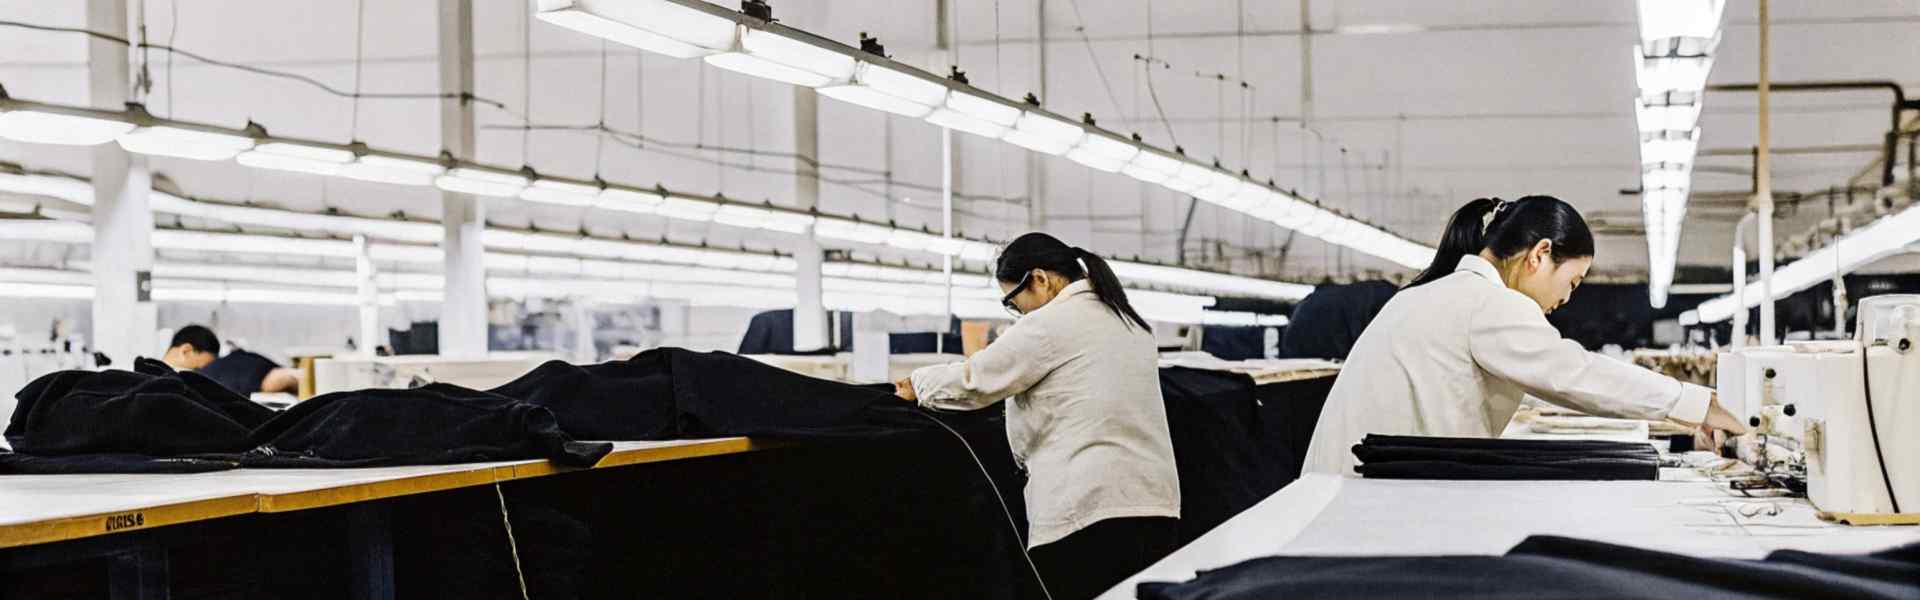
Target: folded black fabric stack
[
  {"x": 1415, "y": 457},
  {"x": 1557, "y": 567}
]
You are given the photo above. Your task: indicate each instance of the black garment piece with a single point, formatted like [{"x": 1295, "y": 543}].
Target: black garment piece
[
  {"x": 240, "y": 371},
  {"x": 1556, "y": 567},
  {"x": 771, "y": 332},
  {"x": 1100, "y": 556},
  {"x": 152, "y": 411},
  {"x": 1328, "y": 321},
  {"x": 156, "y": 420},
  {"x": 1235, "y": 343},
  {"x": 421, "y": 337},
  {"x": 1215, "y": 424},
  {"x": 1413, "y": 457},
  {"x": 433, "y": 424},
  {"x": 1288, "y": 413}
]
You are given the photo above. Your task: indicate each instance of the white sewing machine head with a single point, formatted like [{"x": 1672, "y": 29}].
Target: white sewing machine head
[{"x": 1857, "y": 418}]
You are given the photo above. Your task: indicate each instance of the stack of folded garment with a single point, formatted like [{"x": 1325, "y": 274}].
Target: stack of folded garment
[{"x": 1412, "y": 457}]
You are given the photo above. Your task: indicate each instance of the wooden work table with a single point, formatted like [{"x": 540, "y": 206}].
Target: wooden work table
[{"x": 38, "y": 509}]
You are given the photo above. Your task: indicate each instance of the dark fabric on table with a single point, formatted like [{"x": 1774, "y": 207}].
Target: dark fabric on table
[
  {"x": 433, "y": 424},
  {"x": 1328, "y": 321},
  {"x": 240, "y": 371},
  {"x": 1215, "y": 424},
  {"x": 1288, "y": 412},
  {"x": 156, "y": 420},
  {"x": 1415, "y": 457},
  {"x": 1556, "y": 567},
  {"x": 771, "y": 332},
  {"x": 152, "y": 410},
  {"x": 1100, "y": 556},
  {"x": 1235, "y": 343}
]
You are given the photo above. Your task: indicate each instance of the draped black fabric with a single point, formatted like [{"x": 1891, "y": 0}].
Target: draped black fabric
[
  {"x": 240, "y": 371},
  {"x": 1236, "y": 343},
  {"x": 432, "y": 424},
  {"x": 1328, "y": 321},
  {"x": 1413, "y": 457},
  {"x": 151, "y": 410},
  {"x": 1215, "y": 423},
  {"x": 1557, "y": 567}
]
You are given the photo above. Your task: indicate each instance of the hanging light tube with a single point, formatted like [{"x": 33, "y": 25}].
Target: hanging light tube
[
  {"x": 482, "y": 182},
  {"x": 659, "y": 26}
]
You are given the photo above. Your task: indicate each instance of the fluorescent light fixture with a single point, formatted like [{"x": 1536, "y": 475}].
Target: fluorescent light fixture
[
  {"x": 46, "y": 291},
  {"x": 1653, "y": 117},
  {"x": 40, "y": 127},
  {"x": 65, "y": 188},
  {"x": 397, "y": 171},
  {"x": 688, "y": 209},
  {"x": 1190, "y": 177},
  {"x": 161, "y": 140},
  {"x": 772, "y": 56},
  {"x": 1666, "y": 176},
  {"x": 762, "y": 218},
  {"x": 908, "y": 239},
  {"x": 208, "y": 241},
  {"x": 978, "y": 251},
  {"x": 975, "y": 114},
  {"x": 1669, "y": 147},
  {"x": 560, "y": 193},
  {"x": 1379, "y": 29},
  {"x": 1044, "y": 134},
  {"x": 1102, "y": 152},
  {"x": 1670, "y": 73},
  {"x": 299, "y": 158},
  {"x": 14, "y": 275},
  {"x": 658, "y": 26},
  {"x": 1661, "y": 19},
  {"x": 29, "y": 230},
  {"x": 1152, "y": 166},
  {"x": 163, "y": 202},
  {"x": 481, "y": 182},
  {"x": 633, "y": 201},
  {"x": 852, "y": 231},
  {"x": 886, "y": 89}
]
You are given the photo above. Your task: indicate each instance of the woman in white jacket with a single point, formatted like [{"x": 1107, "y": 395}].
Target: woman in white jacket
[
  {"x": 1081, "y": 379},
  {"x": 1453, "y": 353}
]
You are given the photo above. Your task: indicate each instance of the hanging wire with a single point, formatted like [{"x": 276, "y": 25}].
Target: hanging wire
[
  {"x": 526, "y": 85},
  {"x": 173, "y": 31},
  {"x": 1088, "y": 44},
  {"x": 600, "y": 108},
  {"x": 359, "y": 38},
  {"x": 315, "y": 83}
]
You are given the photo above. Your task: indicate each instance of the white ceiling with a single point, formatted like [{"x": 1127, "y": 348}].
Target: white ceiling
[{"x": 1491, "y": 99}]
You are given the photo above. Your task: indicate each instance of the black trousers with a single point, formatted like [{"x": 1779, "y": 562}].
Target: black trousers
[{"x": 1087, "y": 562}]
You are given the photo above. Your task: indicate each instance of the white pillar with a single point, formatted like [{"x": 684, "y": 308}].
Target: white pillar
[
  {"x": 1739, "y": 337},
  {"x": 369, "y": 297},
  {"x": 124, "y": 317},
  {"x": 810, "y": 324},
  {"x": 946, "y": 232},
  {"x": 463, "y": 312}
]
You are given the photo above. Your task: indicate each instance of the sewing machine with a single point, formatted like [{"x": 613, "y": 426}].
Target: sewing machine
[{"x": 1855, "y": 419}]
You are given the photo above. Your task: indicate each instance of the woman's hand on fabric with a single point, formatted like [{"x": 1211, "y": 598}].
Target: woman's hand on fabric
[{"x": 904, "y": 389}]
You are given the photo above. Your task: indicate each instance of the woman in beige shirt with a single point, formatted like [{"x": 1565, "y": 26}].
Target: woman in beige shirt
[
  {"x": 1080, "y": 376},
  {"x": 1453, "y": 353}
]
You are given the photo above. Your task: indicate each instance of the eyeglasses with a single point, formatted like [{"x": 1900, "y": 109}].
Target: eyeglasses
[{"x": 1007, "y": 301}]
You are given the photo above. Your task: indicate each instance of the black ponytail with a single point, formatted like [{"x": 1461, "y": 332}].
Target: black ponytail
[
  {"x": 1513, "y": 228},
  {"x": 1041, "y": 251}
]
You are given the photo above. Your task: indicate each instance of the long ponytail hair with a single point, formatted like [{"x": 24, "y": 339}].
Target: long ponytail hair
[
  {"x": 1041, "y": 251},
  {"x": 1513, "y": 228}
]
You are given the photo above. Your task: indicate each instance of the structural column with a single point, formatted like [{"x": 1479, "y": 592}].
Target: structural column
[
  {"x": 810, "y": 323},
  {"x": 463, "y": 312},
  {"x": 124, "y": 316}
]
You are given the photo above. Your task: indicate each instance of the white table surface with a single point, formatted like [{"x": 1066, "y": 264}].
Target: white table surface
[{"x": 1323, "y": 514}]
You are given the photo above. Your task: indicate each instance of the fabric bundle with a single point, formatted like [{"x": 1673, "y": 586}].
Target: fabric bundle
[
  {"x": 1558, "y": 567},
  {"x": 1415, "y": 457}
]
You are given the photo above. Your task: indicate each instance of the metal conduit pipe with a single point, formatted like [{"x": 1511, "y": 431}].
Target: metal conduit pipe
[{"x": 1890, "y": 149}]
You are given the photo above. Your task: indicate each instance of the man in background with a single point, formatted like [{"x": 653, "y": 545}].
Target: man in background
[{"x": 193, "y": 348}]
